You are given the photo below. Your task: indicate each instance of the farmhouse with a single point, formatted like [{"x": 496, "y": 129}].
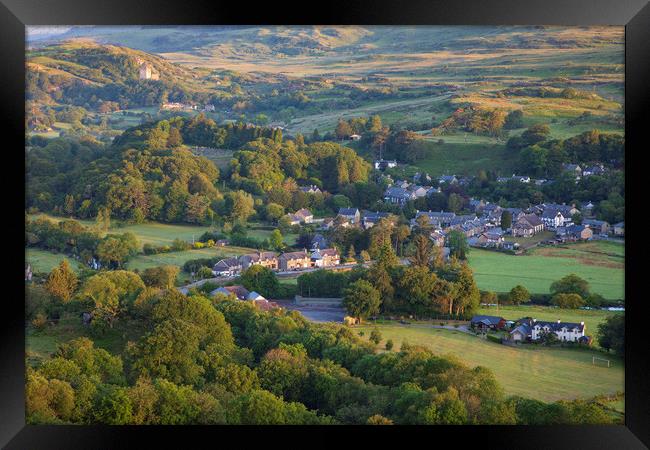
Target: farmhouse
[
  {"x": 227, "y": 267},
  {"x": 527, "y": 225},
  {"x": 294, "y": 261},
  {"x": 533, "y": 329},
  {"x": 564, "y": 331},
  {"x": 488, "y": 322}
]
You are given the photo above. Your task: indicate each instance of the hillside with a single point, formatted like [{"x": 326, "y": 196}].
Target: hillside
[{"x": 308, "y": 78}]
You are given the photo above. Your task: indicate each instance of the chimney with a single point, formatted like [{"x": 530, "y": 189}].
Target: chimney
[
  {"x": 558, "y": 320},
  {"x": 582, "y": 323}
]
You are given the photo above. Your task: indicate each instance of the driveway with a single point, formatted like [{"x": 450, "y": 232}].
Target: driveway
[{"x": 315, "y": 313}]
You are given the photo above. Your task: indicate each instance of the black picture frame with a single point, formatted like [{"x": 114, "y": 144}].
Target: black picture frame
[{"x": 633, "y": 14}]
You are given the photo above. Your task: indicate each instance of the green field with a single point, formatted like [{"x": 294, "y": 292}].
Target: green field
[
  {"x": 462, "y": 158},
  {"x": 164, "y": 233},
  {"x": 600, "y": 263},
  {"x": 44, "y": 261},
  {"x": 591, "y": 318},
  {"x": 142, "y": 262},
  {"x": 547, "y": 374}
]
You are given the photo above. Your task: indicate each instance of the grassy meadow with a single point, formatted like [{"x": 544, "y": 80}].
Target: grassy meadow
[
  {"x": 547, "y": 374},
  {"x": 600, "y": 263}
]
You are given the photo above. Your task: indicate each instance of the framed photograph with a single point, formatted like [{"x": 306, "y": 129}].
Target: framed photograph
[{"x": 268, "y": 220}]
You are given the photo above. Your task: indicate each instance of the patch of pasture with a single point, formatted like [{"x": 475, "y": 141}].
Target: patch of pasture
[
  {"x": 501, "y": 272},
  {"x": 547, "y": 374}
]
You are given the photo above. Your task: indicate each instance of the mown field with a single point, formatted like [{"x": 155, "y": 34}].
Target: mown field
[
  {"x": 600, "y": 263},
  {"x": 547, "y": 374}
]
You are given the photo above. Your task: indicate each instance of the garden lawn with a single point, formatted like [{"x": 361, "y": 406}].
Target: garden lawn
[
  {"x": 501, "y": 272},
  {"x": 547, "y": 374}
]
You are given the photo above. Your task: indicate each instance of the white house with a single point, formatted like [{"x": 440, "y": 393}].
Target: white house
[
  {"x": 564, "y": 331},
  {"x": 534, "y": 330}
]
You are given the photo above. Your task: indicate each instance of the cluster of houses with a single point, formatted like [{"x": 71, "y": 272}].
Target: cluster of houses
[
  {"x": 317, "y": 257},
  {"x": 530, "y": 330},
  {"x": 401, "y": 191}
]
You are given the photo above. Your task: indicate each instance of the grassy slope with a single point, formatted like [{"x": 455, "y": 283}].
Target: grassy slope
[
  {"x": 537, "y": 270},
  {"x": 542, "y": 373}
]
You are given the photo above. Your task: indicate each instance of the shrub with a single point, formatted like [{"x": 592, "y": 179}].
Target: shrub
[
  {"x": 39, "y": 321},
  {"x": 375, "y": 336},
  {"x": 180, "y": 245},
  {"x": 204, "y": 272},
  {"x": 389, "y": 344},
  {"x": 493, "y": 338}
]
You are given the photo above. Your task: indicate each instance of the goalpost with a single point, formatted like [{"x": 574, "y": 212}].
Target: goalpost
[{"x": 595, "y": 358}]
